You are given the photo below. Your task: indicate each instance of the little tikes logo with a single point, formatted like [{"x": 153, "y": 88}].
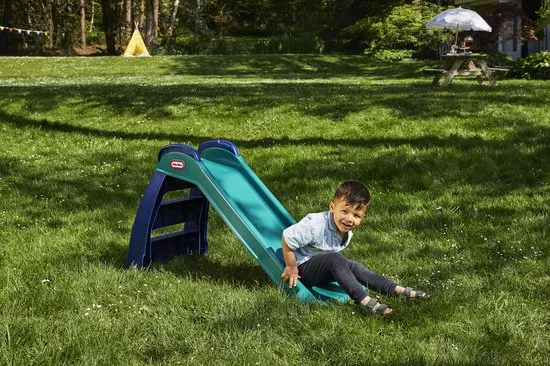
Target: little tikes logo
[{"x": 177, "y": 164}]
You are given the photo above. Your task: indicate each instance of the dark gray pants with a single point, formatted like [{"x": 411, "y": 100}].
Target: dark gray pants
[{"x": 329, "y": 267}]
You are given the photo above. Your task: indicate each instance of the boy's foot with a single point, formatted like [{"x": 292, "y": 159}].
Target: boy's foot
[
  {"x": 410, "y": 294},
  {"x": 377, "y": 308}
]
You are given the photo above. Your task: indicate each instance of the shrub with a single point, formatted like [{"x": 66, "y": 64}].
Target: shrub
[
  {"x": 496, "y": 58},
  {"x": 186, "y": 43},
  {"x": 238, "y": 45},
  {"x": 403, "y": 29},
  {"x": 535, "y": 66},
  {"x": 191, "y": 44},
  {"x": 391, "y": 55},
  {"x": 95, "y": 35},
  {"x": 288, "y": 44}
]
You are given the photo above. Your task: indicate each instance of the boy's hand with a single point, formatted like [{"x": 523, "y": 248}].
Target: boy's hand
[{"x": 290, "y": 274}]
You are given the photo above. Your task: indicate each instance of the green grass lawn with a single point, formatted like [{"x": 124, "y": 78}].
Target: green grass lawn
[{"x": 460, "y": 179}]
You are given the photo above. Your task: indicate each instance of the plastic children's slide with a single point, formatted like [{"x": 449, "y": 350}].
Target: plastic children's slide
[{"x": 216, "y": 174}]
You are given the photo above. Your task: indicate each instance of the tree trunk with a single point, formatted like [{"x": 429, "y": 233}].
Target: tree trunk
[
  {"x": 30, "y": 24},
  {"x": 92, "y": 15},
  {"x": 128, "y": 19},
  {"x": 5, "y": 37},
  {"x": 121, "y": 26},
  {"x": 152, "y": 20},
  {"x": 109, "y": 26},
  {"x": 222, "y": 20},
  {"x": 169, "y": 28},
  {"x": 83, "y": 24},
  {"x": 156, "y": 7},
  {"x": 199, "y": 26},
  {"x": 141, "y": 14},
  {"x": 53, "y": 26}
]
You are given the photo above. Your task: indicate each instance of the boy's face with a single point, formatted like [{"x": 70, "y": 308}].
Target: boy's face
[{"x": 346, "y": 217}]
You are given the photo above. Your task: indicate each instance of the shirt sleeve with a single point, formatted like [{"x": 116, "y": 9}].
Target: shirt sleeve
[{"x": 299, "y": 235}]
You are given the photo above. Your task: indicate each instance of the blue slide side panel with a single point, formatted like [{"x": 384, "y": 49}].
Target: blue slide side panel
[
  {"x": 222, "y": 144},
  {"x": 139, "y": 251},
  {"x": 181, "y": 148}
]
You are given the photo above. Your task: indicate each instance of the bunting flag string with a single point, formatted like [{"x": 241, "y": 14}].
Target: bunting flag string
[{"x": 25, "y": 31}]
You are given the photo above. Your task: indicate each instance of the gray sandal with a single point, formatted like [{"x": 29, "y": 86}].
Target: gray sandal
[
  {"x": 419, "y": 295},
  {"x": 378, "y": 308}
]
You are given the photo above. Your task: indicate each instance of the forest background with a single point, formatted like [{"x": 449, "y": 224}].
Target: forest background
[{"x": 39, "y": 27}]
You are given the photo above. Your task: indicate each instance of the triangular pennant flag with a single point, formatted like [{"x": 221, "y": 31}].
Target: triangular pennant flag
[
  {"x": 136, "y": 46},
  {"x": 28, "y": 31}
]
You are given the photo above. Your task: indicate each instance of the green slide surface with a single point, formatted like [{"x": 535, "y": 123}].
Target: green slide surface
[{"x": 247, "y": 206}]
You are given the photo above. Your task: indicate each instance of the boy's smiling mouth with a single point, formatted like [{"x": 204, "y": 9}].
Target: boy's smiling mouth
[{"x": 347, "y": 226}]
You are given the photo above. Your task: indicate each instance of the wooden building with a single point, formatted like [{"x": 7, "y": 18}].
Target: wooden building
[{"x": 508, "y": 37}]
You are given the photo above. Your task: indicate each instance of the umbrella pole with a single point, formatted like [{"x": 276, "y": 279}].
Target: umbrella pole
[{"x": 456, "y": 36}]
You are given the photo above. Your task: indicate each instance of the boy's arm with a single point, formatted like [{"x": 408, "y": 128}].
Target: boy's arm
[{"x": 290, "y": 273}]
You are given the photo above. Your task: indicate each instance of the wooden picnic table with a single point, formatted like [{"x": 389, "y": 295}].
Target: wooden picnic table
[{"x": 466, "y": 64}]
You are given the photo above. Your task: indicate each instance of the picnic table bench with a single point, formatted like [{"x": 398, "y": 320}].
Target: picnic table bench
[
  {"x": 498, "y": 72},
  {"x": 466, "y": 64}
]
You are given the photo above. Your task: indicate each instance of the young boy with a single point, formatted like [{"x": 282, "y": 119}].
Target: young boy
[{"x": 311, "y": 249}]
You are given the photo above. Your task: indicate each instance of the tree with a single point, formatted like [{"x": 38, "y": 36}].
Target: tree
[
  {"x": 221, "y": 18},
  {"x": 171, "y": 22},
  {"x": 5, "y": 38},
  {"x": 83, "y": 23},
  {"x": 151, "y": 22},
  {"x": 544, "y": 17},
  {"x": 128, "y": 20},
  {"x": 141, "y": 16},
  {"x": 109, "y": 25},
  {"x": 92, "y": 15}
]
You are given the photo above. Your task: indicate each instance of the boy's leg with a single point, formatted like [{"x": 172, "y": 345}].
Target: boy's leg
[
  {"x": 371, "y": 279},
  {"x": 328, "y": 267},
  {"x": 382, "y": 284}
]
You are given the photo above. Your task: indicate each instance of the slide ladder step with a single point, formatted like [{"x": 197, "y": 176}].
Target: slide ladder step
[
  {"x": 168, "y": 246},
  {"x": 178, "y": 211},
  {"x": 164, "y": 229}
]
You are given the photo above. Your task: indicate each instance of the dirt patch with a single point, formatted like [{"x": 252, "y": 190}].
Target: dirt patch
[{"x": 92, "y": 50}]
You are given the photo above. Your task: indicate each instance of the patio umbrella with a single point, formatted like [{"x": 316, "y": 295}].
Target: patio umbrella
[{"x": 459, "y": 18}]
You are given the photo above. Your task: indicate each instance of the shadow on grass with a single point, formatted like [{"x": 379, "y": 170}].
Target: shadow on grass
[
  {"x": 225, "y": 100},
  {"x": 524, "y": 132},
  {"x": 463, "y": 161},
  {"x": 284, "y": 66},
  {"x": 469, "y": 161},
  {"x": 212, "y": 66},
  {"x": 113, "y": 254},
  {"x": 203, "y": 267}
]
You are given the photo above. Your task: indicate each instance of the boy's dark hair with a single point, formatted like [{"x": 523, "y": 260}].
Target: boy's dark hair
[{"x": 354, "y": 193}]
